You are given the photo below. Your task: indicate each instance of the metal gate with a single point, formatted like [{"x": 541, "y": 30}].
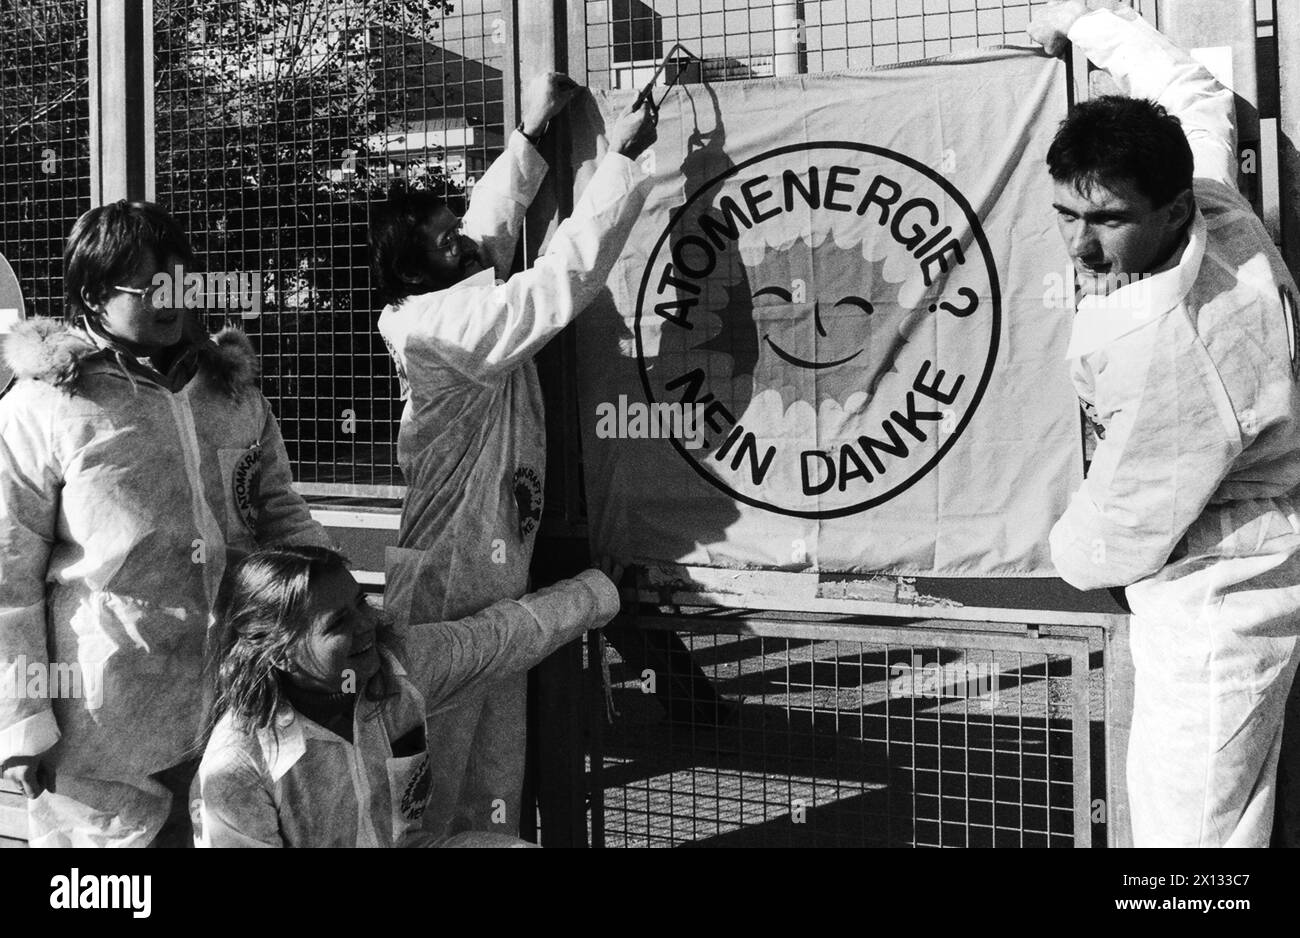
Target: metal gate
[
  {"x": 790, "y": 732},
  {"x": 273, "y": 135},
  {"x": 769, "y": 731},
  {"x": 45, "y": 142},
  {"x": 268, "y": 126}
]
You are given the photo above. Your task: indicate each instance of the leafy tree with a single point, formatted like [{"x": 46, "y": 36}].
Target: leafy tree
[
  {"x": 44, "y": 141},
  {"x": 263, "y": 110}
]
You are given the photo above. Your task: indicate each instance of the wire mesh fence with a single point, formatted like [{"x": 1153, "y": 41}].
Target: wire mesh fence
[
  {"x": 277, "y": 121},
  {"x": 732, "y": 738},
  {"x": 736, "y": 39},
  {"x": 44, "y": 143},
  {"x": 277, "y": 124}
]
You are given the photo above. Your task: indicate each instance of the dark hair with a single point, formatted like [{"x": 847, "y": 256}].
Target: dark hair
[
  {"x": 260, "y": 620},
  {"x": 1114, "y": 138},
  {"x": 396, "y": 247},
  {"x": 108, "y": 244}
]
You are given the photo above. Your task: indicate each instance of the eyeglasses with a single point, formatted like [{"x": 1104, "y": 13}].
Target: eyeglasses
[{"x": 149, "y": 295}]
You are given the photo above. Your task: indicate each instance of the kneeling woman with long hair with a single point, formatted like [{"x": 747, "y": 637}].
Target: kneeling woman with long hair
[{"x": 317, "y": 734}]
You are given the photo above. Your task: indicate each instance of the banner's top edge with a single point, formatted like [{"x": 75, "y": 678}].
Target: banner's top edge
[{"x": 966, "y": 57}]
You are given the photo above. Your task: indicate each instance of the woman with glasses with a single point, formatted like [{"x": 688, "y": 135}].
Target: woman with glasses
[{"x": 137, "y": 451}]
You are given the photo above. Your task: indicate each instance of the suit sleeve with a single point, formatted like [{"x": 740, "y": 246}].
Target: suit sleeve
[
  {"x": 30, "y": 483},
  {"x": 1146, "y": 64},
  {"x": 1171, "y": 439},
  {"x": 482, "y": 331},
  {"x": 446, "y": 658},
  {"x": 282, "y": 515},
  {"x": 236, "y": 809},
  {"x": 500, "y": 201}
]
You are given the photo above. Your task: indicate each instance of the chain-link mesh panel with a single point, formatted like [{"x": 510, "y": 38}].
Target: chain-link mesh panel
[
  {"x": 277, "y": 123},
  {"x": 753, "y": 38},
  {"x": 44, "y": 142},
  {"x": 723, "y": 739}
]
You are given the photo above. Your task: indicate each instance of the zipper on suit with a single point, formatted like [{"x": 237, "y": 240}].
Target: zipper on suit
[
  {"x": 366, "y": 835},
  {"x": 214, "y": 543}
]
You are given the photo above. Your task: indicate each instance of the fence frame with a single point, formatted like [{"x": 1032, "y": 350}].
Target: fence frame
[
  {"x": 120, "y": 43},
  {"x": 900, "y": 626},
  {"x": 122, "y": 166},
  {"x": 737, "y": 595}
]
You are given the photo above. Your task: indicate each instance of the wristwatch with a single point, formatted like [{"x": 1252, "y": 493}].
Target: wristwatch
[{"x": 534, "y": 139}]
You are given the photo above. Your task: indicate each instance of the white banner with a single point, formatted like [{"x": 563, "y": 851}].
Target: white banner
[{"x": 836, "y": 338}]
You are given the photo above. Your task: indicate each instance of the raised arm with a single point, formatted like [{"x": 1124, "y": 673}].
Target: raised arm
[
  {"x": 445, "y": 658},
  {"x": 481, "y": 330},
  {"x": 501, "y": 198},
  {"x": 500, "y": 201},
  {"x": 1144, "y": 63},
  {"x": 1157, "y": 467}
]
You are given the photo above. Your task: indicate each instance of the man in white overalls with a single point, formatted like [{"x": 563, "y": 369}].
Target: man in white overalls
[
  {"x": 1184, "y": 355},
  {"x": 472, "y": 444}
]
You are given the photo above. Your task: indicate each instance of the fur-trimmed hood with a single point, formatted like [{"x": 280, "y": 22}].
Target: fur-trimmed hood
[
  {"x": 49, "y": 350},
  {"x": 145, "y": 481}
]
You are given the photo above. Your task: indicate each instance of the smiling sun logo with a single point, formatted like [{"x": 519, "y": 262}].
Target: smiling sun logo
[
  {"x": 836, "y": 309},
  {"x": 815, "y": 325}
]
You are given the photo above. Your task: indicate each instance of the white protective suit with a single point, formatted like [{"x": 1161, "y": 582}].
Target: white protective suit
[
  {"x": 472, "y": 447},
  {"x": 120, "y": 491},
  {"x": 299, "y": 785},
  {"x": 1190, "y": 377}
]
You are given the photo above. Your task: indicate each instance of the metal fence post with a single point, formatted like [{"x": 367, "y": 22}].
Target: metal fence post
[
  {"x": 121, "y": 99},
  {"x": 1287, "y": 29},
  {"x": 541, "y": 44},
  {"x": 790, "y": 57}
]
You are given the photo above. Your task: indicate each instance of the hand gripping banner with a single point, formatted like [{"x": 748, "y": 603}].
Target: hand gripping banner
[{"x": 836, "y": 338}]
